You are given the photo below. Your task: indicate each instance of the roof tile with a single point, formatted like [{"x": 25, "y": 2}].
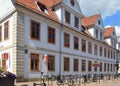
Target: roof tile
[
  {"x": 31, "y": 5},
  {"x": 87, "y": 21},
  {"x": 108, "y": 31}
]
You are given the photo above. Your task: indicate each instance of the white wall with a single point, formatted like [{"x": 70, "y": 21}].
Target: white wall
[
  {"x": 91, "y": 30},
  {"x": 67, "y": 52},
  {"x": 108, "y": 41},
  {"x": 8, "y": 41},
  {"x": 58, "y": 13},
  {"x": 8, "y": 7},
  {"x": 6, "y": 45}
]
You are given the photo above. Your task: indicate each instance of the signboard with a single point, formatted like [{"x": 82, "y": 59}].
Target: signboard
[
  {"x": 5, "y": 56},
  {"x": 45, "y": 57}
]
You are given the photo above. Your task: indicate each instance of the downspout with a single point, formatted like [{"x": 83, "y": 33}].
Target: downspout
[{"x": 60, "y": 34}]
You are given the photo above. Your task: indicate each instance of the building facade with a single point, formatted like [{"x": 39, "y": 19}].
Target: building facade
[{"x": 73, "y": 43}]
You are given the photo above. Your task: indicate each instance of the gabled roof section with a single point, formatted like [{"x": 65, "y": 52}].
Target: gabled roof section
[
  {"x": 50, "y": 3},
  {"x": 31, "y": 5},
  {"x": 108, "y": 31},
  {"x": 56, "y": 2},
  {"x": 88, "y": 21}
]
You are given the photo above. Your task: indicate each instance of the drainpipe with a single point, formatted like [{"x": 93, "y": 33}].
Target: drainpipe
[{"x": 60, "y": 34}]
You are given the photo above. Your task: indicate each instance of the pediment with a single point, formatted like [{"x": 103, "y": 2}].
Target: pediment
[{"x": 74, "y": 5}]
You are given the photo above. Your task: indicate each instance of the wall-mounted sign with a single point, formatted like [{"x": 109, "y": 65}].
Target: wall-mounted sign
[
  {"x": 5, "y": 56},
  {"x": 45, "y": 57}
]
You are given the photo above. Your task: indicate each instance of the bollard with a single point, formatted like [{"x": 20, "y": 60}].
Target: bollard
[
  {"x": 99, "y": 79},
  {"x": 106, "y": 78},
  {"x": 34, "y": 84}
]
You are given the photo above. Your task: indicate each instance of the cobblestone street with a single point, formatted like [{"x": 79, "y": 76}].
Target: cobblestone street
[{"x": 115, "y": 82}]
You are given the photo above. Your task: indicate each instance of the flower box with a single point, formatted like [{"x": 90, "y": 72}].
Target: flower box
[{"x": 5, "y": 81}]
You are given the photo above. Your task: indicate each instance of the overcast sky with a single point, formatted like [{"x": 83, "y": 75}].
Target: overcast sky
[{"x": 109, "y": 10}]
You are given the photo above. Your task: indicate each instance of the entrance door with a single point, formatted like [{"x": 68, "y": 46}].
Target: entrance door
[{"x": 4, "y": 65}]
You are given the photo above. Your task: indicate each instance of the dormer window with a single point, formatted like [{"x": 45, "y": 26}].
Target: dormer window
[
  {"x": 99, "y": 22},
  {"x": 42, "y": 7},
  {"x": 96, "y": 33},
  {"x": 67, "y": 17},
  {"x": 83, "y": 29},
  {"x": 101, "y": 35},
  {"x": 113, "y": 33},
  {"x": 76, "y": 21},
  {"x": 72, "y": 2}
]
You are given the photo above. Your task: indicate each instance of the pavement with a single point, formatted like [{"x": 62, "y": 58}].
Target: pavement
[{"x": 112, "y": 82}]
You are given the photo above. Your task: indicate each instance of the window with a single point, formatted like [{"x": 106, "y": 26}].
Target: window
[
  {"x": 111, "y": 54},
  {"x": 96, "y": 33},
  {"x": 51, "y": 35},
  {"x": 35, "y": 30},
  {"x": 76, "y": 64},
  {"x": 111, "y": 67},
  {"x": 76, "y": 43},
  {"x": 0, "y": 33},
  {"x": 112, "y": 41},
  {"x": 104, "y": 52},
  {"x": 89, "y": 47},
  {"x": 83, "y": 45},
  {"x": 6, "y": 30},
  {"x": 51, "y": 63},
  {"x": 66, "y": 64},
  {"x": 34, "y": 62},
  {"x": 89, "y": 66},
  {"x": 83, "y": 29},
  {"x": 42, "y": 7},
  {"x": 114, "y": 55},
  {"x": 104, "y": 67},
  {"x": 66, "y": 40},
  {"x": 76, "y": 22},
  {"x": 95, "y": 49},
  {"x": 101, "y": 35},
  {"x": 100, "y": 66},
  {"x": 83, "y": 65},
  {"x": 67, "y": 17},
  {"x": 72, "y": 2},
  {"x": 115, "y": 43},
  {"x": 100, "y": 51},
  {"x": 99, "y": 22}
]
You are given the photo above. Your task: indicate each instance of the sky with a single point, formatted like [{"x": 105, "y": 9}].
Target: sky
[{"x": 109, "y": 10}]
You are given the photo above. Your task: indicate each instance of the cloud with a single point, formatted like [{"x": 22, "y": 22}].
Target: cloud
[
  {"x": 117, "y": 28},
  {"x": 105, "y": 7}
]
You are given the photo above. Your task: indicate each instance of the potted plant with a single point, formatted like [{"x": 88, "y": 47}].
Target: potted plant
[{"x": 7, "y": 79}]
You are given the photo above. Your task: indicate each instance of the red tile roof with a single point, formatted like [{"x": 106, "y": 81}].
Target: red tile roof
[
  {"x": 87, "y": 21},
  {"x": 108, "y": 31},
  {"x": 31, "y": 5}
]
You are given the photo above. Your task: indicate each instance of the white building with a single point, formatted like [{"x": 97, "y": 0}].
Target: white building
[{"x": 31, "y": 28}]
